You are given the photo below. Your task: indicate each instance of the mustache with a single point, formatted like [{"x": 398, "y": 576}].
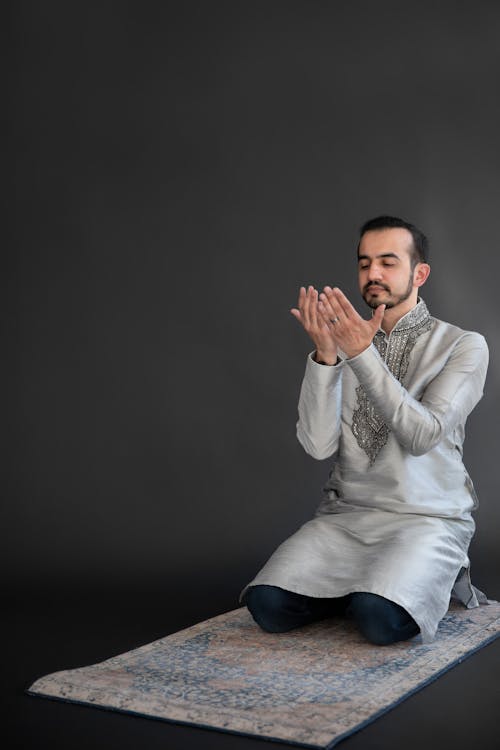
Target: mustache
[{"x": 374, "y": 283}]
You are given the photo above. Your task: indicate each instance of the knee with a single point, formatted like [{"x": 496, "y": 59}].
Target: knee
[
  {"x": 381, "y": 621},
  {"x": 267, "y": 605}
]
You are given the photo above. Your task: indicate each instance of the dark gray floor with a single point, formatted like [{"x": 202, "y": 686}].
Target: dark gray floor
[{"x": 70, "y": 627}]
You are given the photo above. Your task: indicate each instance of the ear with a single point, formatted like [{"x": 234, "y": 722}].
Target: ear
[{"x": 421, "y": 274}]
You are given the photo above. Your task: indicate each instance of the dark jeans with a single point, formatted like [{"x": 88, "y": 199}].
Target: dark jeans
[{"x": 379, "y": 620}]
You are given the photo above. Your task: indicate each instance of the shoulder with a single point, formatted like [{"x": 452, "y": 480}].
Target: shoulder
[{"x": 455, "y": 338}]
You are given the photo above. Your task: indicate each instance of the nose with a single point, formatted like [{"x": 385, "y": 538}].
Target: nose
[{"x": 374, "y": 272}]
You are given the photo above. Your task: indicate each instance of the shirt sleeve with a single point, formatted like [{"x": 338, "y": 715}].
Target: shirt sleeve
[
  {"x": 320, "y": 402},
  {"x": 448, "y": 399}
]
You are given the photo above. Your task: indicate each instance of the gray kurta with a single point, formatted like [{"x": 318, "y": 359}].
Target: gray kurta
[{"x": 395, "y": 518}]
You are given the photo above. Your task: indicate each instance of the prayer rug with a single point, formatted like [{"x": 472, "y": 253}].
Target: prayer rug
[{"x": 311, "y": 687}]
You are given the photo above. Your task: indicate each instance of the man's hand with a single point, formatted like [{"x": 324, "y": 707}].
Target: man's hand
[
  {"x": 351, "y": 333},
  {"x": 316, "y": 326}
]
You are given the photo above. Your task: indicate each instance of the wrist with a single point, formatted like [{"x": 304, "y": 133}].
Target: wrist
[
  {"x": 356, "y": 352},
  {"x": 325, "y": 358}
]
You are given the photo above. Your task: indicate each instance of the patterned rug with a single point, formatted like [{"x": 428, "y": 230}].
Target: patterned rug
[{"x": 311, "y": 687}]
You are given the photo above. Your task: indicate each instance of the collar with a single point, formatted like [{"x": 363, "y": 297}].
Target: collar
[{"x": 415, "y": 318}]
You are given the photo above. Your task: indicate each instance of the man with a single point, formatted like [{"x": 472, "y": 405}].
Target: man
[{"x": 387, "y": 399}]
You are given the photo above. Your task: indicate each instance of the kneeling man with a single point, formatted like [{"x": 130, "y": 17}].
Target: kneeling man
[{"x": 387, "y": 399}]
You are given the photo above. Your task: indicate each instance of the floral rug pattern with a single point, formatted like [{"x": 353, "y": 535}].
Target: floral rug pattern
[{"x": 311, "y": 687}]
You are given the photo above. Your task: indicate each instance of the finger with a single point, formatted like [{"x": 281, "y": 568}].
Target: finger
[
  {"x": 306, "y": 306},
  {"x": 326, "y": 322},
  {"x": 313, "y": 307},
  {"x": 302, "y": 297},
  {"x": 326, "y": 309},
  {"x": 377, "y": 317},
  {"x": 331, "y": 304},
  {"x": 322, "y": 323},
  {"x": 348, "y": 310},
  {"x": 296, "y": 314},
  {"x": 302, "y": 300},
  {"x": 329, "y": 320}
]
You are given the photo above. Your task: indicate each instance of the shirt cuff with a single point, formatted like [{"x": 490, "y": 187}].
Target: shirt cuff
[
  {"x": 323, "y": 373},
  {"x": 366, "y": 364}
]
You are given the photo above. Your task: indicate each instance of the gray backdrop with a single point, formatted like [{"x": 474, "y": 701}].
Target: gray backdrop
[{"x": 178, "y": 172}]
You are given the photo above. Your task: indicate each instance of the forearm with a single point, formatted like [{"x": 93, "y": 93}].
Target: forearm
[
  {"x": 318, "y": 428},
  {"x": 415, "y": 427},
  {"x": 418, "y": 425}
]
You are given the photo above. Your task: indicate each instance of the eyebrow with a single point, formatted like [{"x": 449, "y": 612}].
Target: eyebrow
[{"x": 382, "y": 255}]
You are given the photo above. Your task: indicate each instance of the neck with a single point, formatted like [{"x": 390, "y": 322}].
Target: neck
[{"x": 393, "y": 314}]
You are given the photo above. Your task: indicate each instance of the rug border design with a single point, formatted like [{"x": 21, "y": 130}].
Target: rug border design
[
  {"x": 413, "y": 690},
  {"x": 269, "y": 738}
]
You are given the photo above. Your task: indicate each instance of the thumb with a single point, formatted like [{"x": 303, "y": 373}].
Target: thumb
[{"x": 378, "y": 316}]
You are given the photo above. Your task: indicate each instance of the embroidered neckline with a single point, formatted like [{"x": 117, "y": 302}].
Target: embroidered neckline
[
  {"x": 415, "y": 317},
  {"x": 368, "y": 427}
]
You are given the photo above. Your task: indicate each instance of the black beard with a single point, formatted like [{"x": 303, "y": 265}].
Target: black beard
[{"x": 375, "y": 303}]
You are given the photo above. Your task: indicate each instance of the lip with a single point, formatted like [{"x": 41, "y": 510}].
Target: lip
[{"x": 376, "y": 289}]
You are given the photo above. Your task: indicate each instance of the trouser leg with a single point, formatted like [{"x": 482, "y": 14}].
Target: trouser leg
[
  {"x": 277, "y": 610},
  {"x": 381, "y": 621}
]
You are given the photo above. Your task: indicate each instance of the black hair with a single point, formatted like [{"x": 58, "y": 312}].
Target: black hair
[{"x": 420, "y": 250}]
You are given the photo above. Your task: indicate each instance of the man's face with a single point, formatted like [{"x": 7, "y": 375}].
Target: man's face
[{"x": 385, "y": 273}]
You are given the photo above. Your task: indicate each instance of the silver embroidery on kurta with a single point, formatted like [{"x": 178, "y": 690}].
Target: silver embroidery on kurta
[{"x": 368, "y": 427}]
